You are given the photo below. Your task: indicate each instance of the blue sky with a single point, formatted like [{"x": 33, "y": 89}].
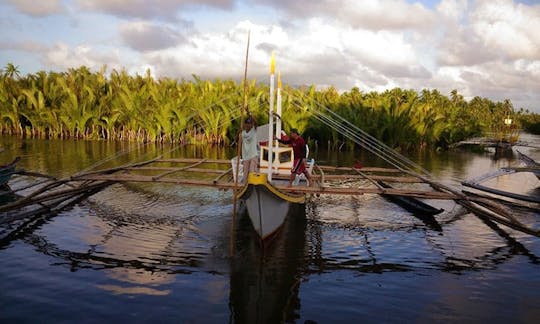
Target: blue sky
[{"x": 487, "y": 48}]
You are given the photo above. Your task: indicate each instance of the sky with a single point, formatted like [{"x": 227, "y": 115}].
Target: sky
[{"x": 486, "y": 48}]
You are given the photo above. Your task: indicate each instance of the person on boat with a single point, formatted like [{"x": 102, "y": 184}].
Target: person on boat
[
  {"x": 299, "y": 148},
  {"x": 248, "y": 142}
]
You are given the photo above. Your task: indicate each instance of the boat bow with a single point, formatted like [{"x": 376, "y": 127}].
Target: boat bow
[{"x": 267, "y": 205}]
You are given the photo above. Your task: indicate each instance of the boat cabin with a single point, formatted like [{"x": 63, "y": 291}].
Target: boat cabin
[{"x": 282, "y": 160}]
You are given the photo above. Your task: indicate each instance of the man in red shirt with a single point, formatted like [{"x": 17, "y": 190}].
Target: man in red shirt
[{"x": 299, "y": 148}]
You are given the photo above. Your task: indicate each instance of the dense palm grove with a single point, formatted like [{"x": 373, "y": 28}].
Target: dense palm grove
[{"x": 117, "y": 106}]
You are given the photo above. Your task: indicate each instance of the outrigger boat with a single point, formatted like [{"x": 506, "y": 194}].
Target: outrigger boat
[
  {"x": 531, "y": 166},
  {"x": 267, "y": 205}
]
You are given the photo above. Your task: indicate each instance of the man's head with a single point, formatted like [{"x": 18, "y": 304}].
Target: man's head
[
  {"x": 248, "y": 123},
  {"x": 294, "y": 133}
]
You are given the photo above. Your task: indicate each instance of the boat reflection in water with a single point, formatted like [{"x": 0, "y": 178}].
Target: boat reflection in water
[{"x": 265, "y": 280}]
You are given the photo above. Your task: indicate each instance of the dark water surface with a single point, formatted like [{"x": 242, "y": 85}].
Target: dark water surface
[{"x": 160, "y": 253}]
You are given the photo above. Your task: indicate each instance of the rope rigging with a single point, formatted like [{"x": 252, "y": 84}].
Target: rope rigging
[{"x": 360, "y": 137}]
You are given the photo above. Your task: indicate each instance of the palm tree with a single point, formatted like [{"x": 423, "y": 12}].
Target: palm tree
[
  {"x": 11, "y": 71},
  {"x": 35, "y": 112},
  {"x": 9, "y": 113},
  {"x": 80, "y": 103}
]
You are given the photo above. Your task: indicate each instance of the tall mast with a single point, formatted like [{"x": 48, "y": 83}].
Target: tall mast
[
  {"x": 271, "y": 118},
  {"x": 278, "y": 121}
]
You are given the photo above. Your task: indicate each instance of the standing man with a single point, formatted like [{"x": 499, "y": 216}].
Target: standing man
[
  {"x": 248, "y": 140},
  {"x": 299, "y": 148}
]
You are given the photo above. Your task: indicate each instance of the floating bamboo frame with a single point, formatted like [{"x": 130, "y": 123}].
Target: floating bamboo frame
[
  {"x": 326, "y": 178},
  {"x": 331, "y": 181}
]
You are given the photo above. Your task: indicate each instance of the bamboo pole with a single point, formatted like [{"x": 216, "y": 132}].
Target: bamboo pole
[
  {"x": 171, "y": 170},
  {"x": 222, "y": 175},
  {"x": 369, "y": 178},
  {"x": 327, "y": 177},
  {"x": 10, "y": 192},
  {"x": 298, "y": 189},
  {"x": 36, "y": 213},
  {"x": 490, "y": 210},
  {"x": 22, "y": 201},
  {"x": 179, "y": 169},
  {"x": 321, "y": 182},
  {"x": 111, "y": 170},
  {"x": 516, "y": 203},
  {"x": 35, "y": 174},
  {"x": 365, "y": 169},
  {"x": 35, "y": 198},
  {"x": 238, "y": 151},
  {"x": 193, "y": 160}
]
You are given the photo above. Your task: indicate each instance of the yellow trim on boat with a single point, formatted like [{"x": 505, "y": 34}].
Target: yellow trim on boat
[
  {"x": 257, "y": 178},
  {"x": 260, "y": 179}
]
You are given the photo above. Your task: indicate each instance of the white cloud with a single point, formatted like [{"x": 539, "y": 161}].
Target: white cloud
[
  {"x": 453, "y": 10},
  {"x": 524, "y": 66},
  {"x": 492, "y": 31},
  {"x": 380, "y": 48},
  {"x": 491, "y": 51},
  {"x": 221, "y": 55},
  {"x": 62, "y": 57},
  {"x": 383, "y": 14},
  {"x": 504, "y": 81},
  {"x": 508, "y": 28}
]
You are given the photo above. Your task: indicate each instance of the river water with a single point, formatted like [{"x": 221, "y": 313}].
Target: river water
[{"x": 161, "y": 253}]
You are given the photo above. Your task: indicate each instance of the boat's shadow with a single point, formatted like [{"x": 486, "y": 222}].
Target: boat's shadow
[{"x": 265, "y": 278}]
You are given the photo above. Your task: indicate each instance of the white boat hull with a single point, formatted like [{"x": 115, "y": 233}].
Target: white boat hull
[
  {"x": 266, "y": 212},
  {"x": 267, "y": 207}
]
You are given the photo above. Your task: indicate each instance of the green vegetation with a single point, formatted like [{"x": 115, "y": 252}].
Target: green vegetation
[
  {"x": 91, "y": 105},
  {"x": 530, "y": 123}
]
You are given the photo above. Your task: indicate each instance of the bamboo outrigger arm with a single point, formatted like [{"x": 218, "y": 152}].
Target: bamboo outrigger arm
[{"x": 484, "y": 208}]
